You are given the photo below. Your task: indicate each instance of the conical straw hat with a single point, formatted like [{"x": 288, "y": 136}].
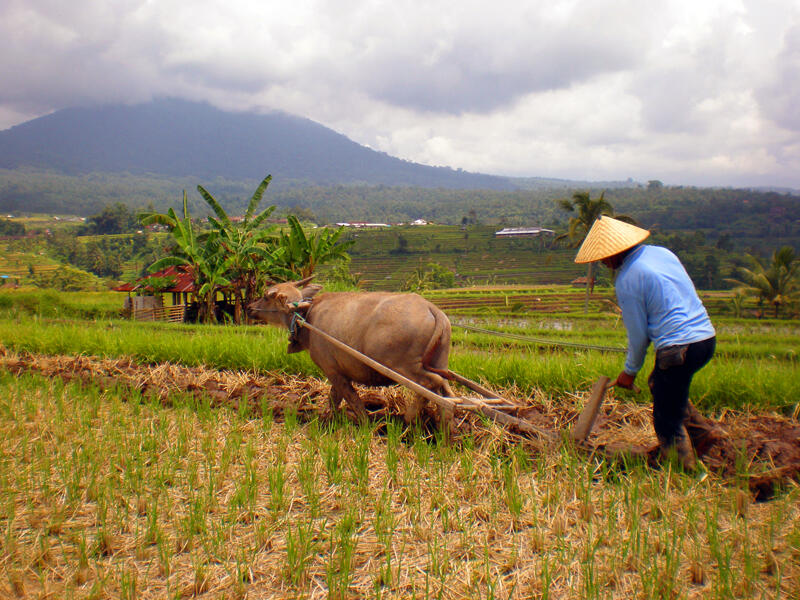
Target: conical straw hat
[{"x": 608, "y": 237}]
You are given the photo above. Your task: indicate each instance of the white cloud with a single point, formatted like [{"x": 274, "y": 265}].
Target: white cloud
[
  {"x": 780, "y": 97},
  {"x": 687, "y": 91}
]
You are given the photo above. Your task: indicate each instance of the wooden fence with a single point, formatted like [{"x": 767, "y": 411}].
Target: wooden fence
[{"x": 173, "y": 314}]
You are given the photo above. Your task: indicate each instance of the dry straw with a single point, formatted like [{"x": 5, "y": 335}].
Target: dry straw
[{"x": 177, "y": 503}]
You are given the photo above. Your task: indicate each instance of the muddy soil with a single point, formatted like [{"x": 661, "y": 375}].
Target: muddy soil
[{"x": 761, "y": 451}]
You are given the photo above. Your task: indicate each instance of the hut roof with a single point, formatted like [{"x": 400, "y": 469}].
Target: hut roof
[
  {"x": 523, "y": 231},
  {"x": 183, "y": 281}
]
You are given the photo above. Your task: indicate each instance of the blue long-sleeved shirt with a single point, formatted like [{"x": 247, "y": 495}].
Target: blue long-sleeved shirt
[{"x": 659, "y": 304}]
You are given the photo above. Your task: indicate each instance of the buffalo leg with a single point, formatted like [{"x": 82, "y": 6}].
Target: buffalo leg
[
  {"x": 334, "y": 398},
  {"x": 343, "y": 388},
  {"x": 437, "y": 384}
]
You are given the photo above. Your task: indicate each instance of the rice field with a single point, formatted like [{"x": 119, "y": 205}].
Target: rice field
[
  {"x": 106, "y": 494},
  {"x": 751, "y": 370},
  {"x": 140, "y": 485}
]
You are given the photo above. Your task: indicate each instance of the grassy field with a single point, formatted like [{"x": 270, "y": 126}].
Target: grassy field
[
  {"x": 106, "y": 492},
  {"x": 755, "y": 368}
]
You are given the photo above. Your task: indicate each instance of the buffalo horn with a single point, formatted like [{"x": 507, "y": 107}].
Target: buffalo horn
[{"x": 302, "y": 282}]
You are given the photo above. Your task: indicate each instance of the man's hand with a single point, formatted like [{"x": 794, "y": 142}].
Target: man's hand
[{"x": 624, "y": 380}]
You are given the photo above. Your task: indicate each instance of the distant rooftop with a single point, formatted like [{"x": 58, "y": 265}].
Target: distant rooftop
[
  {"x": 183, "y": 281},
  {"x": 359, "y": 224},
  {"x": 523, "y": 231}
]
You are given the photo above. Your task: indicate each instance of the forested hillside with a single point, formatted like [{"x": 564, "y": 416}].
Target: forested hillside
[{"x": 743, "y": 219}]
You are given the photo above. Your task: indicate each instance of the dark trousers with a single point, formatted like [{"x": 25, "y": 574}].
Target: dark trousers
[{"x": 669, "y": 383}]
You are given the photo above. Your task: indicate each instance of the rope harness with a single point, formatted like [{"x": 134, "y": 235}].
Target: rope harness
[{"x": 297, "y": 318}]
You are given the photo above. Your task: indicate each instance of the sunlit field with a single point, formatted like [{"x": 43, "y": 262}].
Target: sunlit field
[{"x": 139, "y": 485}]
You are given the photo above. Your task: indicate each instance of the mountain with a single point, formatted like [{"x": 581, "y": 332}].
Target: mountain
[{"x": 177, "y": 138}]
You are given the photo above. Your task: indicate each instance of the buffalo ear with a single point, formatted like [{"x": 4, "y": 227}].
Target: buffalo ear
[{"x": 310, "y": 291}]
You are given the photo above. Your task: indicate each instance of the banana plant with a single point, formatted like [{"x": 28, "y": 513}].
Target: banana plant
[
  {"x": 198, "y": 255},
  {"x": 242, "y": 258},
  {"x": 253, "y": 254},
  {"x": 304, "y": 252}
]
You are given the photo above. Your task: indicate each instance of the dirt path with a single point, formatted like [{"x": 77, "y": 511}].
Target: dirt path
[{"x": 765, "y": 446}]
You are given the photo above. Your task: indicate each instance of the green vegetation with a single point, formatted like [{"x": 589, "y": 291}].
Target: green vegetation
[
  {"x": 116, "y": 218},
  {"x": 778, "y": 284},
  {"x": 106, "y": 493},
  {"x": 587, "y": 211},
  {"x": 67, "y": 279},
  {"x": 433, "y": 276},
  {"x": 11, "y": 228},
  {"x": 240, "y": 260},
  {"x": 39, "y": 304},
  {"x": 388, "y": 258},
  {"x": 303, "y": 252},
  {"x": 755, "y": 368}
]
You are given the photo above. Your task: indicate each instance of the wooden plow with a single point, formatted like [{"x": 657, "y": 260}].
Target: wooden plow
[{"x": 489, "y": 404}]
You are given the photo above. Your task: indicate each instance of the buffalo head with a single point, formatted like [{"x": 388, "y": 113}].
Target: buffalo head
[{"x": 283, "y": 299}]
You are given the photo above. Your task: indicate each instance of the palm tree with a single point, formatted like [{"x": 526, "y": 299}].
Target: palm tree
[
  {"x": 777, "y": 284},
  {"x": 302, "y": 253},
  {"x": 587, "y": 212}
]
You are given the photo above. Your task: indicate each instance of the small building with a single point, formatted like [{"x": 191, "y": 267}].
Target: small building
[
  {"x": 584, "y": 281},
  {"x": 362, "y": 225},
  {"x": 523, "y": 232},
  {"x": 150, "y": 306}
]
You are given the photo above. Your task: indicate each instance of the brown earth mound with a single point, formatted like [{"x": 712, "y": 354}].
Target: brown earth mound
[{"x": 761, "y": 449}]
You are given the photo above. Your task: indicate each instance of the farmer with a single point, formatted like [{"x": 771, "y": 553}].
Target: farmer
[{"x": 660, "y": 305}]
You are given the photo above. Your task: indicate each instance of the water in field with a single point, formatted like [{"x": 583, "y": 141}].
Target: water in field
[{"x": 518, "y": 323}]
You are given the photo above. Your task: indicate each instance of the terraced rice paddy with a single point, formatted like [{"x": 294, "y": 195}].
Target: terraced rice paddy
[{"x": 475, "y": 255}]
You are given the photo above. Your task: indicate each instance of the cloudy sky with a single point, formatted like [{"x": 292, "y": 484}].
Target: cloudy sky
[{"x": 699, "y": 92}]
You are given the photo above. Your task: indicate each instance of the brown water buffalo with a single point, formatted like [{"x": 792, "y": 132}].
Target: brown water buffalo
[{"x": 404, "y": 332}]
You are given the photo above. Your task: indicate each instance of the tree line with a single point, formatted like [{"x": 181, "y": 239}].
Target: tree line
[
  {"x": 755, "y": 220},
  {"x": 774, "y": 283}
]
